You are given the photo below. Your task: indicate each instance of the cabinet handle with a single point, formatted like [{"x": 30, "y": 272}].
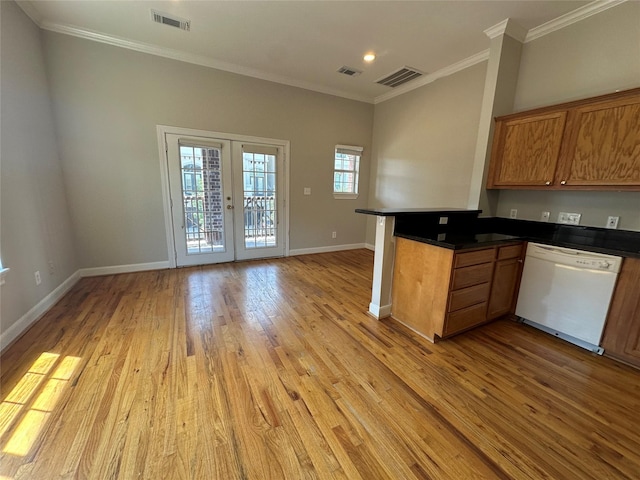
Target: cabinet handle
[
  {"x": 547, "y": 183},
  {"x": 563, "y": 182}
]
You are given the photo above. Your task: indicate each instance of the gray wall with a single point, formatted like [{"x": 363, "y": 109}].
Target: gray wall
[
  {"x": 36, "y": 226},
  {"x": 598, "y": 55},
  {"x": 107, "y": 103},
  {"x": 424, "y": 144}
]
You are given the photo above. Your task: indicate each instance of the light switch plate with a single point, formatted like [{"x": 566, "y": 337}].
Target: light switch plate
[
  {"x": 545, "y": 216},
  {"x": 569, "y": 218},
  {"x": 307, "y": 190},
  {"x": 574, "y": 218}
]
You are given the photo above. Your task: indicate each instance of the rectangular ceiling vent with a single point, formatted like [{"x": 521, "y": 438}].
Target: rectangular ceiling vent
[
  {"x": 400, "y": 77},
  {"x": 172, "y": 21},
  {"x": 352, "y": 72}
]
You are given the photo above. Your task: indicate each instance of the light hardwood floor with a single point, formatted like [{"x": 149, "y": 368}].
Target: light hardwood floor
[{"x": 272, "y": 369}]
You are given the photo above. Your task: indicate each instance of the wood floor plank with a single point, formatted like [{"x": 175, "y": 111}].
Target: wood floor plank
[{"x": 273, "y": 369}]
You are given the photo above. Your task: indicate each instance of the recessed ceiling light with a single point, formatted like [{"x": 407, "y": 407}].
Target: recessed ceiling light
[{"x": 369, "y": 57}]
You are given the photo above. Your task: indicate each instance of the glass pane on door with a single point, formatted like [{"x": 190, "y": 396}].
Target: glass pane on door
[
  {"x": 202, "y": 198},
  {"x": 259, "y": 200}
]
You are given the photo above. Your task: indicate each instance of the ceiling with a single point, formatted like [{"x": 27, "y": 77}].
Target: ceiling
[{"x": 303, "y": 43}]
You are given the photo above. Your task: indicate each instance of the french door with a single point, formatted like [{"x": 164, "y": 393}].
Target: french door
[{"x": 226, "y": 199}]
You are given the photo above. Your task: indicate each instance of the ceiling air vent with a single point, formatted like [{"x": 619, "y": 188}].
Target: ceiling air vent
[
  {"x": 352, "y": 72},
  {"x": 400, "y": 77},
  {"x": 170, "y": 20}
]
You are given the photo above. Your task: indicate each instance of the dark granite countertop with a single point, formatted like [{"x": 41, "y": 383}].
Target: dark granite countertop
[
  {"x": 461, "y": 241},
  {"x": 464, "y": 230},
  {"x": 624, "y": 243},
  {"x": 393, "y": 212}
]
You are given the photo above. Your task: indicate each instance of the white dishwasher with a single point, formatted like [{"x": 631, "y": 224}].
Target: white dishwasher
[{"x": 567, "y": 292}]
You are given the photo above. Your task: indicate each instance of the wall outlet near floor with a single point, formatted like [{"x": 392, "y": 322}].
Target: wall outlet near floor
[
  {"x": 37, "y": 275},
  {"x": 334, "y": 234},
  {"x": 545, "y": 216},
  {"x": 52, "y": 267},
  {"x": 569, "y": 218},
  {"x": 612, "y": 222},
  {"x": 513, "y": 213}
]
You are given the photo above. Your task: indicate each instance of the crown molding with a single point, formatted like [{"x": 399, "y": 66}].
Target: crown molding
[
  {"x": 507, "y": 27},
  {"x": 570, "y": 18},
  {"x": 432, "y": 77},
  {"x": 195, "y": 59}
]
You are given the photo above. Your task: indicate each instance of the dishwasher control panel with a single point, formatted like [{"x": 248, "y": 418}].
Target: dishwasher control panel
[
  {"x": 574, "y": 258},
  {"x": 595, "y": 264}
]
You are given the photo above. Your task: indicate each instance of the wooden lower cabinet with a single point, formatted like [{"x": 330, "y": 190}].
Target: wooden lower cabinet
[
  {"x": 439, "y": 292},
  {"x": 621, "y": 339},
  {"x": 506, "y": 280}
]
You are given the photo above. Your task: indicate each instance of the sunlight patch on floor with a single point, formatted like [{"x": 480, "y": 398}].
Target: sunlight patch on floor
[{"x": 35, "y": 409}]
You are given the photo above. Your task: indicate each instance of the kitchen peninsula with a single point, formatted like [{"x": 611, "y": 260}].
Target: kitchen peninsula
[{"x": 454, "y": 270}]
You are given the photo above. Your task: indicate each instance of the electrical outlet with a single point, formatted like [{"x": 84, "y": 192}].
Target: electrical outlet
[
  {"x": 612, "y": 222},
  {"x": 514, "y": 213},
  {"x": 545, "y": 216},
  {"x": 307, "y": 190},
  {"x": 334, "y": 234},
  {"x": 38, "y": 279},
  {"x": 52, "y": 268}
]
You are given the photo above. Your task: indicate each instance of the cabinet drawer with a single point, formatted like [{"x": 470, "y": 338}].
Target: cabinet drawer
[
  {"x": 466, "y": 297},
  {"x": 510, "y": 251},
  {"x": 465, "y": 318},
  {"x": 468, "y": 276},
  {"x": 473, "y": 258}
]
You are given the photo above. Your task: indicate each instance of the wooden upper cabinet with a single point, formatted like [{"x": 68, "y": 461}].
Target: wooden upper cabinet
[
  {"x": 604, "y": 145},
  {"x": 591, "y": 144},
  {"x": 526, "y": 150}
]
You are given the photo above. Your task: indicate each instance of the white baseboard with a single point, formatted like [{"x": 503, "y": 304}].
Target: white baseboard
[
  {"x": 331, "y": 248},
  {"x": 136, "y": 267},
  {"x": 18, "y": 328},
  {"x": 380, "y": 311},
  {"x": 22, "y": 325},
  {"x": 370, "y": 246}
]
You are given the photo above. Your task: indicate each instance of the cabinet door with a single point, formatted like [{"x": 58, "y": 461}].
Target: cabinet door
[
  {"x": 506, "y": 279},
  {"x": 602, "y": 145},
  {"x": 525, "y": 150},
  {"x": 621, "y": 337},
  {"x": 420, "y": 289}
]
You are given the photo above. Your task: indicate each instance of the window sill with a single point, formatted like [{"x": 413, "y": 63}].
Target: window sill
[
  {"x": 3, "y": 272},
  {"x": 345, "y": 196}
]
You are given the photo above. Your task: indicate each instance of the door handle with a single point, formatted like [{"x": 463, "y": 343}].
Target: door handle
[{"x": 229, "y": 207}]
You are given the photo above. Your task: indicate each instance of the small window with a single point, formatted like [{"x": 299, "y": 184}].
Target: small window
[{"x": 346, "y": 171}]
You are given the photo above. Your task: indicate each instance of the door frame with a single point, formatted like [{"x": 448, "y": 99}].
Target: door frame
[{"x": 162, "y": 130}]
